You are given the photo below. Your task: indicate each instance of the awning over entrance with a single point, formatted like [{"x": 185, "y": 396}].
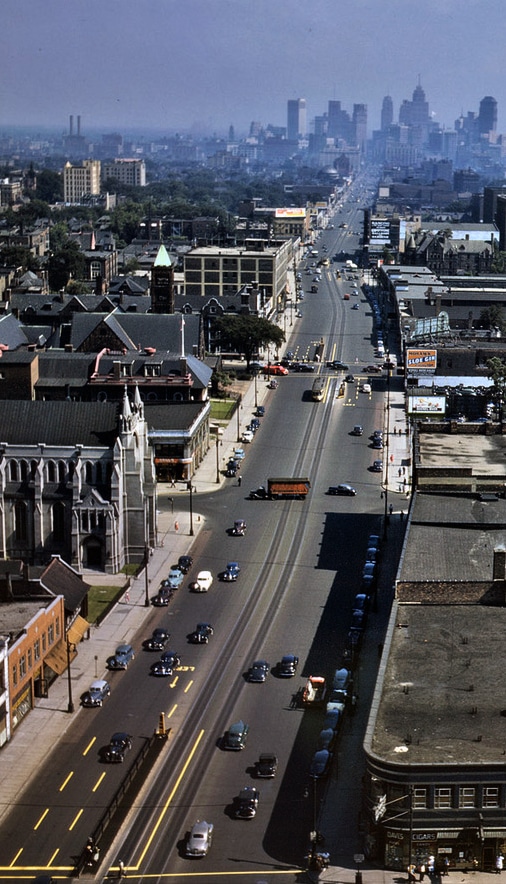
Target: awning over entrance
[
  {"x": 57, "y": 658},
  {"x": 77, "y": 630}
]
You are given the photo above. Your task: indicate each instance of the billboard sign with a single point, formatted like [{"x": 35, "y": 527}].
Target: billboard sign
[
  {"x": 290, "y": 213},
  {"x": 426, "y": 405},
  {"x": 421, "y": 360}
]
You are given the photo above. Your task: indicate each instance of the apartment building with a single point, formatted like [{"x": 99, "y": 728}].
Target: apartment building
[
  {"x": 80, "y": 182},
  {"x": 126, "y": 171}
]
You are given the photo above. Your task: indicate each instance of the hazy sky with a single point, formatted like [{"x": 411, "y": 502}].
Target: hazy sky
[{"x": 184, "y": 65}]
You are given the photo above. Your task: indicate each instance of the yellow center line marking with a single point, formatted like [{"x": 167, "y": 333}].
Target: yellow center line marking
[
  {"x": 97, "y": 784},
  {"x": 74, "y": 821},
  {"x": 188, "y": 686},
  {"x": 172, "y": 710},
  {"x": 41, "y": 818},
  {"x": 50, "y": 863},
  {"x": 18, "y": 854},
  {"x": 88, "y": 747},
  {"x": 71, "y": 774},
  {"x": 170, "y": 799}
]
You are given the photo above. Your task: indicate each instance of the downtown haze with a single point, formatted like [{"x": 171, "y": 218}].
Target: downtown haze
[{"x": 200, "y": 66}]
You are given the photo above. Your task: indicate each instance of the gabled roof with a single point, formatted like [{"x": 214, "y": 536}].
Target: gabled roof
[
  {"x": 11, "y": 332},
  {"x": 61, "y": 579}
]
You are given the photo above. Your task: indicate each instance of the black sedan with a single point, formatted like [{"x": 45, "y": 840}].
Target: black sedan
[
  {"x": 287, "y": 666},
  {"x": 119, "y": 744},
  {"x": 346, "y": 490},
  {"x": 158, "y": 640}
]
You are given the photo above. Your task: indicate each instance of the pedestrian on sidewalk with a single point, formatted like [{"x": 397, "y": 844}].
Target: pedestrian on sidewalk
[
  {"x": 499, "y": 863},
  {"x": 422, "y": 871},
  {"x": 390, "y": 509},
  {"x": 239, "y": 480},
  {"x": 395, "y": 434},
  {"x": 399, "y": 473}
]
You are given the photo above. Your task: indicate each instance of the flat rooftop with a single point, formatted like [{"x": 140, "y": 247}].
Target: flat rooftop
[
  {"x": 442, "y": 694},
  {"x": 486, "y": 455}
]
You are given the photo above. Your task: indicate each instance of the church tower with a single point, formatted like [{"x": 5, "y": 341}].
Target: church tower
[{"x": 162, "y": 283}]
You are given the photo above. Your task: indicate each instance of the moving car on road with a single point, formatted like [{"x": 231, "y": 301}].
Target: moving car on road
[
  {"x": 287, "y": 666},
  {"x": 119, "y": 744},
  {"x": 199, "y": 839},
  {"x": 236, "y": 736},
  {"x": 247, "y": 803},
  {"x": 346, "y": 490},
  {"x": 258, "y": 671},
  {"x": 96, "y": 693}
]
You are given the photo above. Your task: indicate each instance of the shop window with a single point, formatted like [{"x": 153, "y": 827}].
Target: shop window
[
  {"x": 491, "y": 796},
  {"x": 467, "y": 796},
  {"x": 442, "y": 797},
  {"x": 419, "y": 798}
]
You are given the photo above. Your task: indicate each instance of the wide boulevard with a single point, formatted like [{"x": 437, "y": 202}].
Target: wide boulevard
[{"x": 300, "y": 569}]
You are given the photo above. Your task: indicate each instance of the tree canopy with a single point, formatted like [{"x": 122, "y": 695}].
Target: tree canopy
[{"x": 246, "y": 334}]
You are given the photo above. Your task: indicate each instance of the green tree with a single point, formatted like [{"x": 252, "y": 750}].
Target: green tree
[
  {"x": 246, "y": 334},
  {"x": 49, "y": 187},
  {"x": 64, "y": 264},
  {"x": 497, "y": 373},
  {"x": 18, "y": 256},
  {"x": 493, "y": 317}
]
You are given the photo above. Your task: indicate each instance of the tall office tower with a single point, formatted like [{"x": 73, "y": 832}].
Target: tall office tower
[
  {"x": 487, "y": 116},
  {"x": 360, "y": 124},
  {"x": 296, "y": 118},
  {"x": 334, "y": 119},
  {"x": 387, "y": 112}
]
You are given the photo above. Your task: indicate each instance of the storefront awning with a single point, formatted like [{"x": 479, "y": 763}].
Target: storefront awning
[
  {"x": 77, "y": 630},
  {"x": 57, "y": 658},
  {"x": 494, "y": 833}
]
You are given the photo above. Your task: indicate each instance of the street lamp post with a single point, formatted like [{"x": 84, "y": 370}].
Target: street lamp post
[
  {"x": 190, "y": 489},
  {"x": 146, "y": 576},
  {"x": 70, "y": 706},
  {"x": 217, "y": 459},
  {"x": 256, "y": 390}
]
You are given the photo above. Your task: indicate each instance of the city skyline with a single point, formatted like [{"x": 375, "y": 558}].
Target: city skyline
[{"x": 200, "y": 67}]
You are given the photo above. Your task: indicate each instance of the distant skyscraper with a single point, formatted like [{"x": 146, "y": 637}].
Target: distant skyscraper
[
  {"x": 360, "y": 124},
  {"x": 487, "y": 116},
  {"x": 296, "y": 118},
  {"x": 387, "y": 112}
]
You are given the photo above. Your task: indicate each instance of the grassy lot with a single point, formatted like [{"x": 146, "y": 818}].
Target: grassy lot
[
  {"x": 222, "y": 409},
  {"x": 100, "y": 600}
]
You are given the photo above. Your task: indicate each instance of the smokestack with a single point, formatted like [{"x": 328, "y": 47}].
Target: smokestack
[
  {"x": 71, "y": 125},
  {"x": 79, "y": 125}
]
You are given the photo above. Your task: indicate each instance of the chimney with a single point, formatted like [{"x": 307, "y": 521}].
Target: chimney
[
  {"x": 499, "y": 567},
  {"x": 79, "y": 126},
  {"x": 71, "y": 125}
]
